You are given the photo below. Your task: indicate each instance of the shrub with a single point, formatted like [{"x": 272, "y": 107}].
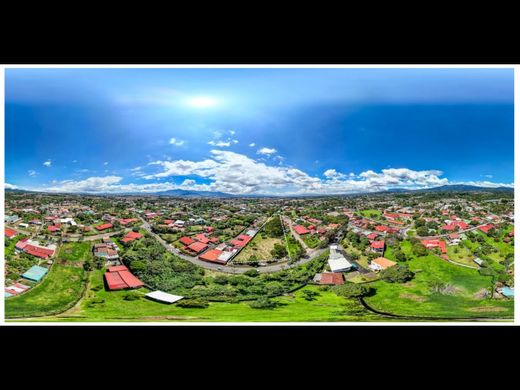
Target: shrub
[
  {"x": 263, "y": 303},
  {"x": 252, "y": 273},
  {"x": 193, "y": 303},
  {"x": 310, "y": 295},
  {"x": 131, "y": 296},
  {"x": 351, "y": 290},
  {"x": 396, "y": 274}
]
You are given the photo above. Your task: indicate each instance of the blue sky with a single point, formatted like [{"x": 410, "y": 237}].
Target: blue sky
[{"x": 283, "y": 131}]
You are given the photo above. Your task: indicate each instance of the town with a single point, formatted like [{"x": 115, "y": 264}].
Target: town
[{"x": 407, "y": 257}]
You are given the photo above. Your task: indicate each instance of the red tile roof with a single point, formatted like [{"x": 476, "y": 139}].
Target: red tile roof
[
  {"x": 131, "y": 236},
  {"x": 104, "y": 226},
  {"x": 53, "y": 228},
  {"x": 119, "y": 277},
  {"x": 372, "y": 236},
  {"x": 486, "y": 228},
  {"x": 435, "y": 244},
  {"x": 212, "y": 255},
  {"x": 114, "y": 281},
  {"x": 10, "y": 232},
  {"x": 186, "y": 240},
  {"x": 378, "y": 245},
  {"x": 301, "y": 229},
  {"x": 332, "y": 278},
  {"x": 202, "y": 238},
  {"x": 197, "y": 247}
]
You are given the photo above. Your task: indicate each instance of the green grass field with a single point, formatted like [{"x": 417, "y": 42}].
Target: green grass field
[
  {"x": 75, "y": 251},
  {"x": 312, "y": 241},
  {"x": 416, "y": 297},
  {"x": 111, "y": 306},
  {"x": 9, "y": 249},
  {"x": 461, "y": 254},
  {"x": 259, "y": 247},
  {"x": 371, "y": 213},
  {"x": 59, "y": 290}
]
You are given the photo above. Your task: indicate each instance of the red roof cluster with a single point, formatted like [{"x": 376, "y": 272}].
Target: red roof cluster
[
  {"x": 119, "y": 278},
  {"x": 131, "y": 236},
  {"x": 104, "y": 226},
  {"x": 452, "y": 225},
  {"x": 372, "y": 236},
  {"x": 383, "y": 228},
  {"x": 126, "y": 221},
  {"x": 197, "y": 247},
  {"x": 301, "y": 229},
  {"x": 202, "y": 238},
  {"x": 42, "y": 253},
  {"x": 212, "y": 255},
  {"x": 54, "y": 228}
]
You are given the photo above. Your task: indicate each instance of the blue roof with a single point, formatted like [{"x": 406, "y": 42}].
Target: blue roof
[
  {"x": 7, "y": 295},
  {"x": 35, "y": 273},
  {"x": 508, "y": 292}
]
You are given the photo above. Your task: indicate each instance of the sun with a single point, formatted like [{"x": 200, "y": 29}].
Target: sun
[{"x": 201, "y": 101}]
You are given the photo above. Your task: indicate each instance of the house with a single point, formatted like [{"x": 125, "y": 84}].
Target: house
[
  {"x": 202, "y": 238},
  {"x": 126, "y": 221},
  {"x": 10, "y": 233},
  {"x": 372, "y": 236},
  {"x": 54, "y": 228},
  {"x": 107, "y": 250},
  {"x": 23, "y": 225},
  {"x": 186, "y": 240},
  {"x": 377, "y": 246},
  {"x": 131, "y": 236},
  {"x": 301, "y": 229},
  {"x": 454, "y": 238},
  {"x": 104, "y": 226},
  {"x": 241, "y": 241},
  {"x": 33, "y": 248},
  {"x": 217, "y": 256},
  {"x": 197, "y": 247},
  {"x": 120, "y": 278},
  {"x": 381, "y": 263},
  {"x": 329, "y": 278},
  {"x": 486, "y": 228},
  {"x": 12, "y": 218},
  {"x": 429, "y": 244},
  {"x": 478, "y": 260},
  {"x": 337, "y": 261},
  {"x": 35, "y": 273},
  {"x": 454, "y": 225}
]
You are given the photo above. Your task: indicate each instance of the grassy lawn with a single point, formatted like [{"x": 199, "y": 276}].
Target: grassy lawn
[
  {"x": 371, "y": 213},
  {"x": 60, "y": 289},
  {"x": 9, "y": 249},
  {"x": 416, "y": 297},
  {"x": 75, "y": 251},
  {"x": 259, "y": 247},
  {"x": 464, "y": 255},
  {"x": 292, "y": 245},
  {"x": 350, "y": 250},
  {"x": 111, "y": 306}
]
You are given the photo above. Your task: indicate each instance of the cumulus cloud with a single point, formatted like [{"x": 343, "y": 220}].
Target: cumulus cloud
[
  {"x": 10, "y": 186},
  {"x": 333, "y": 174},
  {"x": 48, "y": 163},
  {"x": 266, "y": 151},
  {"x": 176, "y": 142},
  {"x": 220, "y": 144},
  {"x": 252, "y": 144}
]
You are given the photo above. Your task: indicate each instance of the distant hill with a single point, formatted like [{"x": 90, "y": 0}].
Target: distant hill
[{"x": 464, "y": 187}]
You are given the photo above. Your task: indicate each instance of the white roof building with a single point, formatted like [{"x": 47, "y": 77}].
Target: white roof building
[
  {"x": 337, "y": 261},
  {"x": 161, "y": 296}
]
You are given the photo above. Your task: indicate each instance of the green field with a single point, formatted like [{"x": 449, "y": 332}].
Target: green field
[
  {"x": 463, "y": 256},
  {"x": 108, "y": 306},
  {"x": 371, "y": 213},
  {"x": 11, "y": 243},
  {"x": 462, "y": 298},
  {"x": 59, "y": 290},
  {"x": 259, "y": 247},
  {"x": 75, "y": 251}
]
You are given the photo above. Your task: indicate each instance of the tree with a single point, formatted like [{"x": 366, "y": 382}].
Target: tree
[
  {"x": 252, "y": 273},
  {"x": 419, "y": 249},
  {"x": 193, "y": 303},
  {"x": 351, "y": 290},
  {"x": 396, "y": 274},
  {"x": 423, "y": 231},
  {"x": 279, "y": 251},
  {"x": 263, "y": 303},
  {"x": 401, "y": 256},
  {"x": 310, "y": 295}
]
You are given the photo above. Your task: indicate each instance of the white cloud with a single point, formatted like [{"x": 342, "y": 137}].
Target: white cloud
[
  {"x": 220, "y": 144},
  {"x": 32, "y": 172},
  {"x": 176, "y": 142},
  {"x": 487, "y": 184},
  {"x": 10, "y": 186},
  {"x": 105, "y": 163},
  {"x": 267, "y": 151},
  {"x": 252, "y": 144},
  {"x": 487, "y": 176},
  {"x": 232, "y": 132},
  {"x": 188, "y": 182},
  {"x": 333, "y": 174},
  {"x": 48, "y": 163}
]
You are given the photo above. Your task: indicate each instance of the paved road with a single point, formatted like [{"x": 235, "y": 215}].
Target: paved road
[{"x": 226, "y": 268}]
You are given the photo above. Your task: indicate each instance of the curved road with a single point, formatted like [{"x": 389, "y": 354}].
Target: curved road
[{"x": 226, "y": 268}]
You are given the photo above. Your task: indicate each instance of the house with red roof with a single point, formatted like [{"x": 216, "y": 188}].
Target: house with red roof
[
  {"x": 131, "y": 236},
  {"x": 186, "y": 241},
  {"x": 10, "y": 233},
  {"x": 372, "y": 236},
  {"x": 301, "y": 229},
  {"x": 120, "y": 278},
  {"x": 377, "y": 246},
  {"x": 330, "y": 278},
  {"x": 486, "y": 228},
  {"x": 126, "y": 221},
  {"x": 454, "y": 225},
  {"x": 105, "y": 226},
  {"x": 200, "y": 237},
  {"x": 197, "y": 247},
  {"x": 430, "y": 244},
  {"x": 53, "y": 228},
  {"x": 241, "y": 241}
]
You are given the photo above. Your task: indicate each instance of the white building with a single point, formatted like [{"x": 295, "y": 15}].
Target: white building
[{"x": 337, "y": 261}]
